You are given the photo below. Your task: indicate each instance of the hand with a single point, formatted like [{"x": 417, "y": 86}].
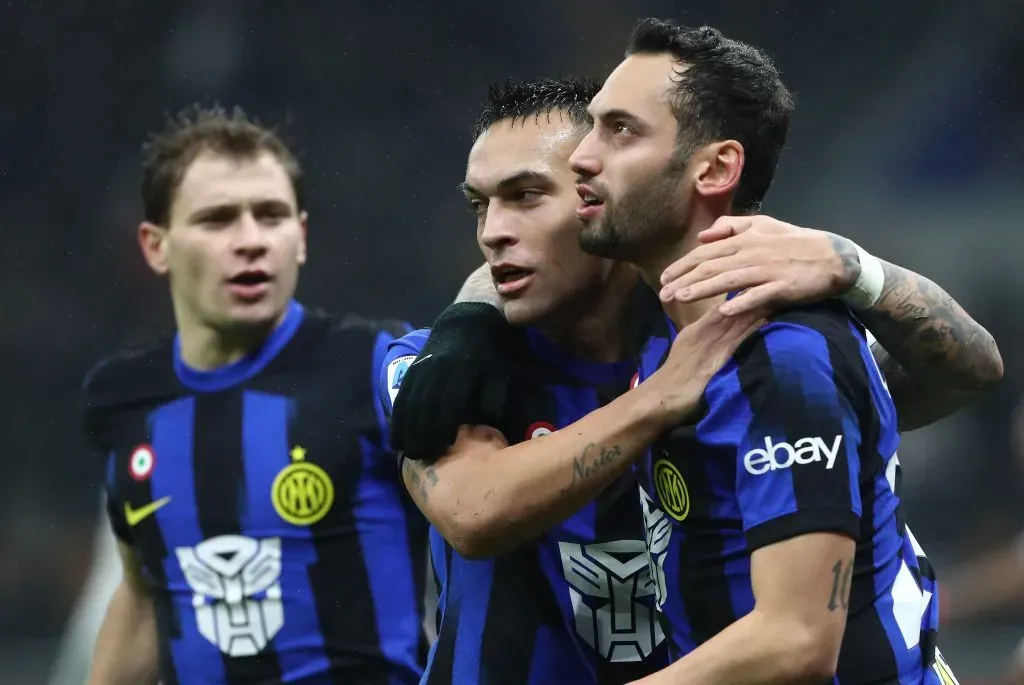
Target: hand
[
  {"x": 772, "y": 262},
  {"x": 460, "y": 377},
  {"x": 698, "y": 353}
]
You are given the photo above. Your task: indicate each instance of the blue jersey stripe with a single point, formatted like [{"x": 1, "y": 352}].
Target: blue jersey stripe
[
  {"x": 478, "y": 577},
  {"x": 378, "y": 512},
  {"x": 299, "y": 643},
  {"x": 172, "y": 428}
]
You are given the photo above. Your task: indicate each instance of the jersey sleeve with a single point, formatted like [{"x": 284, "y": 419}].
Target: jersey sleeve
[
  {"x": 802, "y": 394},
  {"x": 387, "y": 335},
  {"x": 393, "y": 363},
  {"x": 94, "y": 410}
]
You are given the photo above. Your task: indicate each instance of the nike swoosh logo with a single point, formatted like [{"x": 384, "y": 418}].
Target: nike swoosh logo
[
  {"x": 421, "y": 359},
  {"x": 134, "y": 516}
]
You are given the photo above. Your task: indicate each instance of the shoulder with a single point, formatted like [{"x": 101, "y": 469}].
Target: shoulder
[
  {"x": 130, "y": 377},
  {"x": 816, "y": 349},
  {"x": 806, "y": 339},
  {"x": 399, "y": 355},
  {"x": 129, "y": 373}
]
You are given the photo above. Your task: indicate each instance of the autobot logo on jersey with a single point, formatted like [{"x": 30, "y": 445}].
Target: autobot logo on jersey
[
  {"x": 782, "y": 455},
  {"x": 236, "y": 588},
  {"x": 538, "y": 429},
  {"x": 606, "y": 581},
  {"x": 396, "y": 374}
]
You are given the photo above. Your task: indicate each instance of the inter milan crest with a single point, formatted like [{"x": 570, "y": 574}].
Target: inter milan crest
[
  {"x": 302, "y": 493},
  {"x": 672, "y": 492}
]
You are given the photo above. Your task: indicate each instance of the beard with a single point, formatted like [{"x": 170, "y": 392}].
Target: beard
[{"x": 644, "y": 219}]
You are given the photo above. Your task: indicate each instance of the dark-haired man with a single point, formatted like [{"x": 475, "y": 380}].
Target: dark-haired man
[
  {"x": 262, "y": 535},
  {"x": 487, "y": 498},
  {"x": 483, "y": 493},
  {"x": 786, "y": 557}
]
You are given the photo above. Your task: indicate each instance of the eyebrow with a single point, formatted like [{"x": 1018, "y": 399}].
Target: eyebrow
[
  {"x": 273, "y": 204},
  {"x": 516, "y": 179},
  {"x": 620, "y": 114}
]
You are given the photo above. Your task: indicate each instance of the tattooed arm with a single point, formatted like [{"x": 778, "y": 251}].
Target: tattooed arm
[
  {"x": 936, "y": 359},
  {"x": 486, "y": 497}
]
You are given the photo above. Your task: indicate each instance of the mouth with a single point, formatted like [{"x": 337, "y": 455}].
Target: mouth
[
  {"x": 510, "y": 279},
  {"x": 250, "y": 285},
  {"x": 591, "y": 203}
]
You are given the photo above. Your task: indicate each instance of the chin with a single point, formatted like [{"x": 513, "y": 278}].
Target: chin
[
  {"x": 524, "y": 311},
  {"x": 600, "y": 242}
]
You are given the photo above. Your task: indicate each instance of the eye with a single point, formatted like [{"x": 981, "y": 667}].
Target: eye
[
  {"x": 623, "y": 129},
  {"x": 475, "y": 207},
  {"x": 526, "y": 196}
]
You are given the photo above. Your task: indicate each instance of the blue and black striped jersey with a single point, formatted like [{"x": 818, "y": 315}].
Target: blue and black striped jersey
[
  {"x": 276, "y": 539},
  {"x": 799, "y": 436},
  {"x": 575, "y": 606}
]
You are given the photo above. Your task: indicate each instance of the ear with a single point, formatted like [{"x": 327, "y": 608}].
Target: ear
[
  {"x": 153, "y": 243},
  {"x": 304, "y": 227},
  {"x": 720, "y": 174}
]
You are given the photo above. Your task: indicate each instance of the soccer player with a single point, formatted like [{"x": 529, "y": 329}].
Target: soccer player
[
  {"x": 263, "y": 532},
  {"x": 571, "y": 601},
  {"x": 782, "y": 553},
  {"x": 486, "y": 498}
]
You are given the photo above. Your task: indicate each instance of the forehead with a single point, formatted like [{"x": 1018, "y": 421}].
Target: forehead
[
  {"x": 217, "y": 180},
  {"x": 542, "y": 144},
  {"x": 640, "y": 85}
]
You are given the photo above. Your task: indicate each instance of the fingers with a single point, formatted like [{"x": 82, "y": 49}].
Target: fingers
[
  {"x": 725, "y": 227},
  {"x": 727, "y": 280},
  {"x": 763, "y": 296},
  {"x": 700, "y": 255}
]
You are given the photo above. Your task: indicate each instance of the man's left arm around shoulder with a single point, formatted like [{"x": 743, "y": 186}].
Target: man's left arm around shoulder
[
  {"x": 936, "y": 358},
  {"x": 797, "y": 486}
]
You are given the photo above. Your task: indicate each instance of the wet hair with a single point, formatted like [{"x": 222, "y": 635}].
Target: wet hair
[{"x": 519, "y": 101}]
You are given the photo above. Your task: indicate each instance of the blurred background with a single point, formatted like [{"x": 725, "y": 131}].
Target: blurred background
[{"x": 907, "y": 138}]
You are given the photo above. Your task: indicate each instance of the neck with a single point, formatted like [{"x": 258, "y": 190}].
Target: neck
[
  {"x": 651, "y": 268},
  {"x": 204, "y": 348},
  {"x": 593, "y": 329}
]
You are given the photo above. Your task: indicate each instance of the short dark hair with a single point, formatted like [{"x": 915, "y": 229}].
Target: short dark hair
[
  {"x": 728, "y": 90},
  {"x": 167, "y": 155},
  {"x": 519, "y": 101}
]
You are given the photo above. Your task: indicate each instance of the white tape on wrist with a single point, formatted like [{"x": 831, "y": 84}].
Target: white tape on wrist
[{"x": 868, "y": 288}]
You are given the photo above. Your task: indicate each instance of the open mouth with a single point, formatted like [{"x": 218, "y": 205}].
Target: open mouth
[
  {"x": 510, "y": 279},
  {"x": 250, "y": 278}
]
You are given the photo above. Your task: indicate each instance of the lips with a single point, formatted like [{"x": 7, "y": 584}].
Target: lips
[
  {"x": 250, "y": 285},
  {"x": 510, "y": 279}
]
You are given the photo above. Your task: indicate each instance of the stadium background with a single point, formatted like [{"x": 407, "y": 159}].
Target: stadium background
[{"x": 907, "y": 138}]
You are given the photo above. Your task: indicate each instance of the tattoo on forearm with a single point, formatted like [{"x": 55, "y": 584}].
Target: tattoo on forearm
[
  {"x": 593, "y": 460},
  {"x": 842, "y": 578},
  {"x": 936, "y": 357},
  {"x": 849, "y": 258},
  {"x": 422, "y": 478}
]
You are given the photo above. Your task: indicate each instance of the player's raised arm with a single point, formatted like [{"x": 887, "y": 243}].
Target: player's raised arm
[
  {"x": 487, "y": 497},
  {"x": 126, "y": 647},
  {"x": 798, "y": 469},
  {"x": 935, "y": 357}
]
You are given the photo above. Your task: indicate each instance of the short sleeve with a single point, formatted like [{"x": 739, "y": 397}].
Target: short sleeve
[
  {"x": 394, "y": 362},
  {"x": 803, "y": 395}
]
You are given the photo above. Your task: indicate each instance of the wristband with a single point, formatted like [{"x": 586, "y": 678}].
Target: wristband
[{"x": 868, "y": 288}]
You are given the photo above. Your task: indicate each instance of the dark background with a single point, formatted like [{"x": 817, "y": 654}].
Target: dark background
[{"x": 906, "y": 138}]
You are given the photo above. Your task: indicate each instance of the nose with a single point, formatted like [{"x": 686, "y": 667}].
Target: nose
[
  {"x": 498, "y": 231},
  {"x": 585, "y": 161},
  {"x": 249, "y": 236}
]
